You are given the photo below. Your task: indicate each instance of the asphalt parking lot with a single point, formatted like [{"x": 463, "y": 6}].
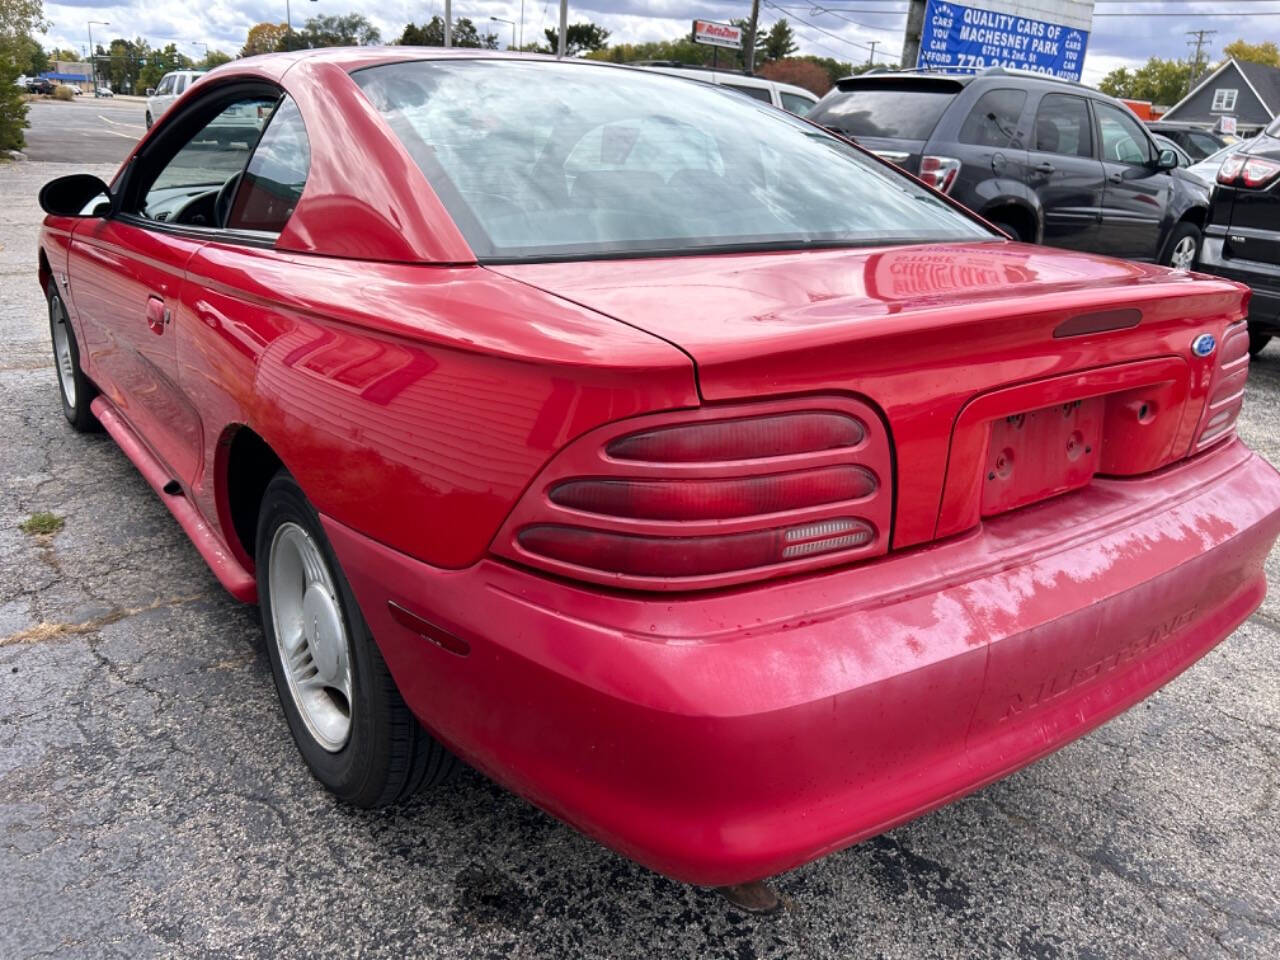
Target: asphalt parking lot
[{"x": 152, "y": 803}]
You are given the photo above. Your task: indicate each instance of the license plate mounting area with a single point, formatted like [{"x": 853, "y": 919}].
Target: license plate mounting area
[{"x": 1041, "y": 453}]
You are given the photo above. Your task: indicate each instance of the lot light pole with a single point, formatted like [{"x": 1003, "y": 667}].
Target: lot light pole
[
  {"x": 564, "y": 27},
  {"x": 513, "y": 29},
  {"x": 448, "y": 23},
  {"x": 93, "y": 61}
]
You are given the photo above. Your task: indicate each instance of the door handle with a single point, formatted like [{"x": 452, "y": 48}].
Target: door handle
[
  {"x": 1044, "y": 167},
  {"x": 157, "y": 314},
  {"x": 1116, "y": 177}
]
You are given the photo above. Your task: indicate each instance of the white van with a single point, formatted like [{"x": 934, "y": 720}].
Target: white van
[
  {"x": 171, "y": 86},
  {"x": 794, "y": 99}
]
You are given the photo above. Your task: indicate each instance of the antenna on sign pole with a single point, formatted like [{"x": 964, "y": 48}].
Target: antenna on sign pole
[{"x": 564, "y": 27}]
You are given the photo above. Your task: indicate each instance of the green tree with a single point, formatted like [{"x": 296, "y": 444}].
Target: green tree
[
  {"x": 66, "y": 54},
  {"x": 1160, "y": 81},
  {"x": 37, "y": 59},
  {"x": 465, "y": 34},
  {"x": 780, "y": 41},
  {"x": 1266, "y": 52},
  {"x": 19, "y": 19},
  {"x": 155, "y": 64},
  {"x": 349, "y": 30},
  {"x": 215, "y": 58},
  {"x": 579, "y": 38}
]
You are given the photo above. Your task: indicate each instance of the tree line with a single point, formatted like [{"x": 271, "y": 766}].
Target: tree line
[{"x": 1165, "y": 82}]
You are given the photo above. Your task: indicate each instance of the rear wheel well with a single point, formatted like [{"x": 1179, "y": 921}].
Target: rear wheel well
[
  {"x": 1016, "y": 216},
  {"x": 248, "y": 466}
]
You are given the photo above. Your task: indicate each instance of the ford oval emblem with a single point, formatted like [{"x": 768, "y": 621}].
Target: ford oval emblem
[{"x": 1203, "y": 345}]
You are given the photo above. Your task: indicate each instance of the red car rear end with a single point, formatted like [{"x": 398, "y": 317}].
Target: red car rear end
[{"x": 713, "y": 485}]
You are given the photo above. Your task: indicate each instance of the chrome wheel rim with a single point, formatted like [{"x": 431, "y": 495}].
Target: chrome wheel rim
[
  {"x": 1184, "y": 254},
  {"x": 62, "y": 349},
  {"x": 311, "y": 635}
]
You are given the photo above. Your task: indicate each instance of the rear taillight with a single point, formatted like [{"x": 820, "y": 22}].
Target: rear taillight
[
  {"x": 705, "y": 498},
  {"x": 1253, "y": 172},
  {"x": 939, "y": 172},
  {"x": 1226, "y": 396}
]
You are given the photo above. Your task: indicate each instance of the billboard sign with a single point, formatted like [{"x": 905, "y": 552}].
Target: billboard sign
[
  {"x": 717, "y": 34},
  {"x": 970, "y": 39}
]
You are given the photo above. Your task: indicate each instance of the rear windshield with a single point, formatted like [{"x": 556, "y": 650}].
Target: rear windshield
[
  {"x": 904, "y": 114},
  {"x": 569, "y": 160}
]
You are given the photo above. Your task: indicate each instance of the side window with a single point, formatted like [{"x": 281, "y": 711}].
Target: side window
[
  {"x": 795, "y": 103},
  {"x": 179, "y": 84},
  {"x": 1122, "y": 138},
  {"x": 186, "y": 189},
  {"x": 755, "y": 93},
  {"x": 163, "y": 88},
  {"x": 1063, "y": 127},
  {"x": 993, "y": 121},
  {"x": 276, "y": 174},
  {"x": 1203, "y": 142}
]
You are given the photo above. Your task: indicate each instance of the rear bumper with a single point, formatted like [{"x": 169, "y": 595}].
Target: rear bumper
[
  {"x": 724, "y": 738},
  {"x": 1262, "y": 278}
]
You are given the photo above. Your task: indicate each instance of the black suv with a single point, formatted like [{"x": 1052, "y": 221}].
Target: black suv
[
  {"x": 1242, "y": 238},
  {"x": 1043, "y": 159}
]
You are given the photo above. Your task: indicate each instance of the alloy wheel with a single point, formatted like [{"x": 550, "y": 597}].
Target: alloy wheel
[
  {"x": 311, "y": 635},
  {"x": 1184, "y": 254}
]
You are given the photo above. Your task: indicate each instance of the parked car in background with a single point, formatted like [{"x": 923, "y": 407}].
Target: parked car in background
[
  {"x": 1242, "y": 237},
  {"x": 104, "y": 92},
  {"x": 714, "y": 485},
  {"x": 41, "y": 85},
  {"x": 791, "y": 98},
  {"x": 1207, "y": 169},
  {"x": 171, "y": 86},
  {"x": 1196, "y": 141},
  {"x": 1045, "y": 160}
]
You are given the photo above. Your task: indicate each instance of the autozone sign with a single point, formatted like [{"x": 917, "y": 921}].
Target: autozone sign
[{"x": 717, "y": 34}]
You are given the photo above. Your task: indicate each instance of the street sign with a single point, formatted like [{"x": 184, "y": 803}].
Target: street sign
[
  {"x": 717, "y": 34},
  {"x": 1226, "y": 125},
  {"x": 966, "y": 39}
]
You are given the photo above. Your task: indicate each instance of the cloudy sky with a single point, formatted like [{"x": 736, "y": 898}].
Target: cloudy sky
[{"x": 844, "y": 29}]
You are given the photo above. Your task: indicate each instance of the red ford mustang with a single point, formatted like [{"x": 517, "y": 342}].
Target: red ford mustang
[{"x": 701, "y": 478}]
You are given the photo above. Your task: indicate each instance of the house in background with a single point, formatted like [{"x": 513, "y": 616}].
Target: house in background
[{"x": 1249, "y": 92}]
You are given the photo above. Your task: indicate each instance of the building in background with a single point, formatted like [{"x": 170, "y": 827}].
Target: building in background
[
  {"x": 1248, "y": 93},
  {"x": 1040, "y": 36},
  {"x": 76, "y": 73}
]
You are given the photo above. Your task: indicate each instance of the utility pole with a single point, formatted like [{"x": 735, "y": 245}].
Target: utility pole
[
  {"x": 448, "y": 23},
  {"x": 871, "y": 60},
  {"x": 915, "y": 29},
  {"x": 564, "y": 29},
  {"x": 753, "y": 24},
  {"x": 1201, "y": 36}
]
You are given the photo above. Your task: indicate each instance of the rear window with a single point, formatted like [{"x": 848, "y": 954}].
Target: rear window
[
  {"x": 755, "y": 93},
  {"x": 993, "y": 121},
  {"x": 900, "y": 113},
  {"x": 574, "y": 160}
]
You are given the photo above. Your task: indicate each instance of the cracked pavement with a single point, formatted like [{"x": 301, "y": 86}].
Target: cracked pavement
[{"x": 152, "y": 802}]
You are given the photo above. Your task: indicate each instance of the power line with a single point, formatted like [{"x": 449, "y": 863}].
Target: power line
[{"x": 814, "y": 26}]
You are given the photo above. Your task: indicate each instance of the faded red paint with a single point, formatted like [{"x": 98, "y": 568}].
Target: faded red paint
[{"x": 425, "y": 403}]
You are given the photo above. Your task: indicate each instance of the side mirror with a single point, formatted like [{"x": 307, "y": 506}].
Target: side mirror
[
  {"x": 1167, "y": 160},
  {"x": 77, "y": 195},
  {"x": 151, "y": 91}
]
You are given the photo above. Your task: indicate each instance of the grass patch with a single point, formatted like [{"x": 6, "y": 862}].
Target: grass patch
[{"x": 40, "y": 523}]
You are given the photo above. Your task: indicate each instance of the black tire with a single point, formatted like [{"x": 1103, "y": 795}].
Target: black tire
[
  {"x": 74, "y": 408},
  {"x": 1257, "y": 341},
  {"x": 1013, "y": 232},
  {"x": 1182, "y": 232},
  {"x": 387, "y": 756}
]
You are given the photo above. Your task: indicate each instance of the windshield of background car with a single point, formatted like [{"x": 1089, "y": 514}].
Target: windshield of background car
[
  {"x": 905, "y": 113},
  {"x": 560, "y": 161}
]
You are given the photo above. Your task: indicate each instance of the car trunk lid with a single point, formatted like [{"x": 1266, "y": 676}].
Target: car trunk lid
[{"x": 949, "y": 341}]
